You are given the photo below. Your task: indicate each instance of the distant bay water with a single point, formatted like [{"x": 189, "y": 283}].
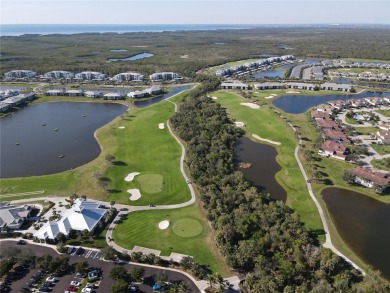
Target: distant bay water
[{"x": 68, "y": 29}]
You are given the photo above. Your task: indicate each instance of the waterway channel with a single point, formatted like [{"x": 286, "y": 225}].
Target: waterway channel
[
  {"x": 363, "y": 223},
  {"x": 52, "y": 137},
  {"x": 261, "y": 173}
]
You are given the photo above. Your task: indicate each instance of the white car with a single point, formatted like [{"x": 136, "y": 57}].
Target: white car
[
  {"x": 75, "y": 283},
  {"x": 86, "y": 290},
  {"x": 51, "y": 279}
]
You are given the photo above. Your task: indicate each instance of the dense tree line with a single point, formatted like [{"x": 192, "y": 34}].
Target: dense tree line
[
  {"x": 187, "y": 52},
  {"x": 262, "y": 238}
]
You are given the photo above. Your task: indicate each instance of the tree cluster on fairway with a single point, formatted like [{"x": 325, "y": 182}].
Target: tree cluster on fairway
[{"x": 262, "y": 238}]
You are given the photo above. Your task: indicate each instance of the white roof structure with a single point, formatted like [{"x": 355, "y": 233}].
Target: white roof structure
[{"x": 84, "y": 215}]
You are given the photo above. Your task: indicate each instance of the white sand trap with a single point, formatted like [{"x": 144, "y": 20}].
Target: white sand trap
[
  {"x": 134, "y": 194},
  {"x": 293, "y": 92},
  {"x": 266, "y": 140},
  {"x": 184, "y": 56},
  {"x": 214, "y": 98},
  {"x": 269, "y": 97},
  {"x": 121, "y": 127},
  {"x": 239, "y": 124},
  {"x": 251, "y": 105},
  {"x": 131, "y": 176},
  {"x": 273, "y": 95},
  {"x": 161, "y": 125},
  {"x": 163, "y": 224}
]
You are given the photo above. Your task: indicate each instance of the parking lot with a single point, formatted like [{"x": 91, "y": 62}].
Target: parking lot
[{"x": 94, "y": 259}]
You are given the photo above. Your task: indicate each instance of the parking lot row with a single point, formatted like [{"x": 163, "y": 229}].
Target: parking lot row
[{"x": 87, "y": 253}]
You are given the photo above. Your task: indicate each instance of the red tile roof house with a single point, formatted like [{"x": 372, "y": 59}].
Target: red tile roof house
[
  {"x": 335, "y": 135},
  {"x": 327, "y": 124},
  {"x": 383, "y": 137},
  {"x": 333, "y": 149},
  {"x": 319, "y": 115},
  {"x": 371, "y": 178}
]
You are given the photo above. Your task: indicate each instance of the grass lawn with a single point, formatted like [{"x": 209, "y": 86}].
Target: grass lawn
[
  {"x": 366, "y": 60},
  {"x": 267, "y": 124},
  {"x": 350, "y": 120},
  {"x": 381, "y": 149},
  {"x": 187, "y": 234},
  {"x": 382, "y": 164},
  {"x": 366, "y": 130},
  {"x": 142, "y": 147},
  {"x": 383, "y": 112},
  {"x": 360, "y": 70}
]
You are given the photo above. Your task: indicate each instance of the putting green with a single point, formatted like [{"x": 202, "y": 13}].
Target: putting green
[
  {"x": 150, "y": 183},
  {"x": 187, "y": 228}
]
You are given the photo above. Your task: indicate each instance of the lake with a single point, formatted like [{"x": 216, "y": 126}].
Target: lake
[
  {"x": 132, "y": 58},
  {"x": 29, "y": 149},
  {"x": 297, "y": 104},
  {"x": 172, "y": 91},
  {"x": 264, "y": 166},
  {"x": 363, "y": 223},
  {"x": 269, "y": 74}
]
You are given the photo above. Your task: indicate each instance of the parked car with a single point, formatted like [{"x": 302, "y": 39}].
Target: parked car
[
  {"x": 86, "y": 290},
  {"x": 75, "y": 283},
  {"x": 132, "y": 288},
  {"x": 51, "y": 279},
  {"x": 21, "y": 242},
  {"x": 80, "y": 251},
  {"x": 80, "y": 275},
  {"x": 71, "y": 288}
]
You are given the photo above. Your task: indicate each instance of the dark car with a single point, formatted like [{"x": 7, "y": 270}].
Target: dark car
[
  {"x": 44, "y": 289},
  {"x": 80, "y": 251},
  {"x": 124, "y": 209},
  {"x": 21, "y": 242}
]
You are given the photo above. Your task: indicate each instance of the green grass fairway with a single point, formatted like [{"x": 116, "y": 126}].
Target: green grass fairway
[
  {"x": 187, "y": 228},
  {"x": 142, "y": 147},
  {"x": 267, "y": 124},
  {"x": 150, "y": 183},
  {"x": 141, "y": 229}
]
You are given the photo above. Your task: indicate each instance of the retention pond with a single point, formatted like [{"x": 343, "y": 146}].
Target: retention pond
[
  {"x": 263, "y": 166},
  {"x": 363, "y": 223},
  {"x": 50, "y": 138}
]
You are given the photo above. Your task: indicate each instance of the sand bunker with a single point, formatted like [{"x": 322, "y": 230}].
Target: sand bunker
[
  {"x": 251, "y": 105},
  {"x": 184, "y": 56},
  {"x": 134, "y": 194},
  {"x": 121, "y": 127},
  {"x": 214, "y": 98},
  {"x": 266, "y": 140},
  {"x": 293, "y": 92},
  {"x": 163, "y": 224},
  {"x": 161, "y": 125},
  {"x": 239, "y": 124},
  {"x": 131, "y": 176},
  {"x": 270, "y": 97}
]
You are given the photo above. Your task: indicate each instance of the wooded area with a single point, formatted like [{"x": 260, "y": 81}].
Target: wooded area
[
  {"x": 257, "y": 236},
  {"x": 90, "y": 51}
]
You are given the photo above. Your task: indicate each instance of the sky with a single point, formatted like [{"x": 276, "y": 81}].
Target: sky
[{"x": 194, "y": 12}]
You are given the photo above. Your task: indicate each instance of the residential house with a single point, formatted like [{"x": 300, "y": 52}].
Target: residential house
[
  {"x": 113, "y": 96},
  {"x": 154, "y": 90},
  {"x": 93, "y": 94},
  {"x": 371, "y": 178},
  {"x": 384, "y": 126},
  {"x": 319, "y": 115},
  {"x": 20, "y": 74},
  {"x": 327, "y": 123},
  {"x": 58, "y": 75},
  {"x": 333, "y": 149},
  {"x": 90, "y": 75},
  {"x": 73, "y": 93},
  {"x": 336, "y": 87},
  {"x": 383, "y": 137},
  {"x": 234, "y": 85},
  {"x": 128, "y": 76},
  {"x": 13, "y": 216},
  {"x": 335, "y": 135},
  {"x": 158, "y": 76},
  {"x": 301, "y": 86},
  {"x": 269, "y": 86},
  {"x": 55, "y": 92}
]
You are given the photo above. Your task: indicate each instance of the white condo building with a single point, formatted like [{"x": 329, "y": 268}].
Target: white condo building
[
  {"x": 128, "y": 76},
  {"x": 20, "y": 74},
  {"x": 90, "y": 75},
  {"x": 164, "y": 76},
  {"x": 58, "y": 74}
]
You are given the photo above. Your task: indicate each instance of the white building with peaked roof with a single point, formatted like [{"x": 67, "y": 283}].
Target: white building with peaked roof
[
  {"x": 90, "y": 75},
  {"x": 128, "y": 76},
  {"x": 12, "y": 216},
  {"x": 20, "y": 74},
  {"x": 57, "y": 74},
  {"x": 83, "y": 215},
  {"x": 164, "y": 76}
]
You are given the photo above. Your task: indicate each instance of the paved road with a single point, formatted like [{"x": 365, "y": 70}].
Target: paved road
[{"x": 106, "y": 283}]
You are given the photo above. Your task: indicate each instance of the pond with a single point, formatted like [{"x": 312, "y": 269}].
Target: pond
[
  {"x": 269, "y": 74},
  {"x": 263, "y": 169},
  {"x": 297, "y": 104},
  {"x": 344, "y": 80},
  {"x": 35, "y": 137},
  {"x": 132, "y": 58},
  {"x": 151, "y": 101},
  {"x": 363, "y": 223}
]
